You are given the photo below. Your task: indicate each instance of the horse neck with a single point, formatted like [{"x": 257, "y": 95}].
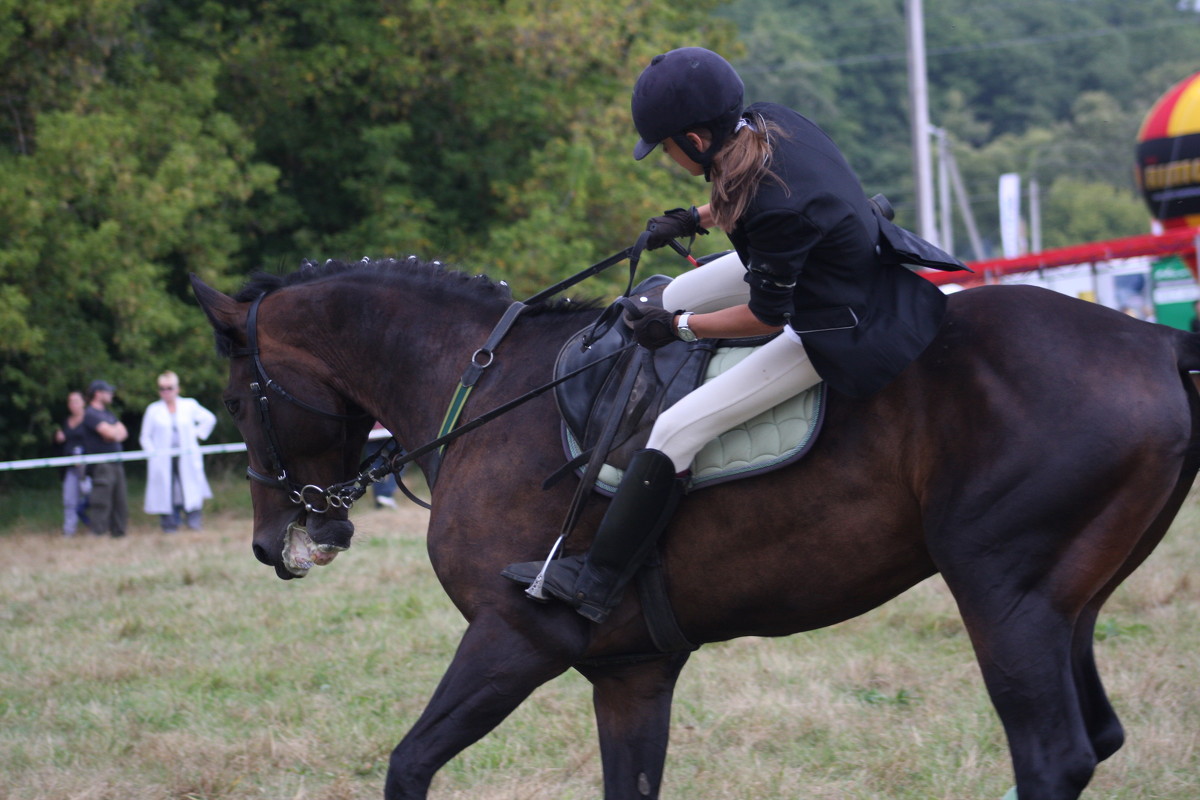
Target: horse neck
[{"x": 406, "y": 371}]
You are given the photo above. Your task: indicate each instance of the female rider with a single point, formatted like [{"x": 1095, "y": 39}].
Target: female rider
[{"x": 808, "y": 262}]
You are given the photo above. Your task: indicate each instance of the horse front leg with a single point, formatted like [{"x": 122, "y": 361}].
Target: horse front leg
[
  {"x": 633, "y": 717},
  {"x": 497, "y": 665}
]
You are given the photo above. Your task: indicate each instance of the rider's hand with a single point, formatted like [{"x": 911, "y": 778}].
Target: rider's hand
[
  {"x": 678, "y": 223},
  {"x": 653, "y": 327}
]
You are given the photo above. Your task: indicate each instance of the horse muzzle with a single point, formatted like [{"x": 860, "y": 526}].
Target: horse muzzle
[{"x": 301, "y": 553}]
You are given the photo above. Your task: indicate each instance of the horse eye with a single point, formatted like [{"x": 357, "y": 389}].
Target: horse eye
[{"x": 232, "y": 405}]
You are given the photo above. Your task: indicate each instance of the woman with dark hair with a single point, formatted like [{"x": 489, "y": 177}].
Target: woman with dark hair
[
  {"x": 809, "y": 264},
  {"x": 75, "y": 486}
]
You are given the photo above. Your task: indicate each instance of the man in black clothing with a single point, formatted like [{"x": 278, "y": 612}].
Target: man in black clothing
[{"x": 103, "y": 433}]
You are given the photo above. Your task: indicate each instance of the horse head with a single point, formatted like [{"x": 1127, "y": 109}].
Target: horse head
[{"x": 277, "y": 385}]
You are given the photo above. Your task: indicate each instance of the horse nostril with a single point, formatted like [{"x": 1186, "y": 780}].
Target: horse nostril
[{"x": 260, "y": 553}]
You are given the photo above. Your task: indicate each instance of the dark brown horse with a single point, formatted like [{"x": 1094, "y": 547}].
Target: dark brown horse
[{"x": 1035, "y": 455}]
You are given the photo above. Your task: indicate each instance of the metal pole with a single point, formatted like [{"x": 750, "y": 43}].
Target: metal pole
[
  {"x": 945, "y": 213},
  {"x": 1035, "y": 216},
  {"x": 964, "y": 207},
  {"x": 918, "y": 95}
]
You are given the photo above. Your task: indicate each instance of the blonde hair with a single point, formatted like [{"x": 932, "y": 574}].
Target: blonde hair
[
  {"x": 169, "y": 377},
  {"x": 738, "y": 169}
]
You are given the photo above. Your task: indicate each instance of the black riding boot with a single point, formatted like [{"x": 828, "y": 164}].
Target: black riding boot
[{"x": 643, "y": 505}]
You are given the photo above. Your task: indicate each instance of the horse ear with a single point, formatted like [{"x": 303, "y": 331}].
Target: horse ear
[{"x": 226, "y": 318}]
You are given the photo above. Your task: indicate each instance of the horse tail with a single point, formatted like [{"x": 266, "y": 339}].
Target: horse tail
[
  {"x": 1187, "y": 351},
  {"x": 1187, "y": 357}
]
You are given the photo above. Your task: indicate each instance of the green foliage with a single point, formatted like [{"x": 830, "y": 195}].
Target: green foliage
[
  {"x": 1087, "y": 211},
  {"x": 152, "y": 138},
  {"x": 1049, "y": 89},
  {"x": 122, "y": 180}
]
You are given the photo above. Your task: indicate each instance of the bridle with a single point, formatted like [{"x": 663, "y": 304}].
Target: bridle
[
  {"x": 339, "y": 495},
  {"x": 392, "y": 457}
]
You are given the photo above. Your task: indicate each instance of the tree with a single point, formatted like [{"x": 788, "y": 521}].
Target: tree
[
  {"x": 150, "y": 139},
  {"x": 121, "y": 179},
  {"x": 1086, "y": 211},
  {"x": 417, "y": 127},
  {"x": 1044, "y": 88}
]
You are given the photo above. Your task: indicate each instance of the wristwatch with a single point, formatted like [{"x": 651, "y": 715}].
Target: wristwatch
[{"x": 682, "y": 330}]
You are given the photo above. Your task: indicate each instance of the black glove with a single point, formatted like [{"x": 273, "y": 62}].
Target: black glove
[
  {"x": 678, "y": 223},
  {"x": 653, "y": 327}
]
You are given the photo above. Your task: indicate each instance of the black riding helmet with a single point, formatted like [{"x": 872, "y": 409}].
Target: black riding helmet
[{"x": 682, "y": 90}]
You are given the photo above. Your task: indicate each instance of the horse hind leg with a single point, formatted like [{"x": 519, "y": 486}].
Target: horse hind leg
[
  {"x": 1104, "y": 728},
  {"x": 1030, "y": 607},
  {"x": 633, "y": 716},
  {"x": 1025, "y": 641},
  {"x": 1028, "y": 670}
]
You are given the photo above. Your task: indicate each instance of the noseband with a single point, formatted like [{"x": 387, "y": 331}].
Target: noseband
[{"x": 341, "y": 495}]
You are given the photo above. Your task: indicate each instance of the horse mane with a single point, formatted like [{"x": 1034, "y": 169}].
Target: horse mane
[{"x": 414, "y": 272}]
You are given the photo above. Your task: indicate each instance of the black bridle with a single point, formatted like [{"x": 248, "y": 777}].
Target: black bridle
[
  {"x": 392, "y": 457},
  {"x": 339, "y": 495}
]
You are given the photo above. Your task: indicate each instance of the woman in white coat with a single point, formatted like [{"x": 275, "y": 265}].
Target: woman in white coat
[{"x": 172, "y": 428}]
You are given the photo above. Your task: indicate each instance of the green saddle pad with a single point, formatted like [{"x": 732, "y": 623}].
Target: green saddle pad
[{"x": 772, "y": 439}]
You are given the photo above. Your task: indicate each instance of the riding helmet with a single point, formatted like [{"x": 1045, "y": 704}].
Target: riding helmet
[{"x": 685, "y": 89}]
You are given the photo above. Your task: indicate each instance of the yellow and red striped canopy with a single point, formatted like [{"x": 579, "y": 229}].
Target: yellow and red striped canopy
[{"x": 1176, "y": 113}]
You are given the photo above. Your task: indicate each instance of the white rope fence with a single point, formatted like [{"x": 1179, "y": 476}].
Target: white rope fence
[{"x": 134, "y": 455}]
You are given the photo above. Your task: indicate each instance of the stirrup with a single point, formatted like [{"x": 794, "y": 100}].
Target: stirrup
[{"x": 534, "y": 592}]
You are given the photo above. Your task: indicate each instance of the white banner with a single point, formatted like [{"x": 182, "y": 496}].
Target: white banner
[{"x": 1010, "y": 214}]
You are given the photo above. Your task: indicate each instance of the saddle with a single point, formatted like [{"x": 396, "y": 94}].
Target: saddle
[
  {"x": 588, "y": 403},
  {"x": 608, "y": 410}
]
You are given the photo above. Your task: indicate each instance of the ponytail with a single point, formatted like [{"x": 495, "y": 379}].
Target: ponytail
[{"x": 738, "y": 169}]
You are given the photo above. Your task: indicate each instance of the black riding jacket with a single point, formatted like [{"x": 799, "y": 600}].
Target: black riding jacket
[{"x": 811, "y": 249}]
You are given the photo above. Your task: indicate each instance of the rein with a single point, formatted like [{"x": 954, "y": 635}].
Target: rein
[
  {"x": 392, "y": 457},
  {"x": 483, "y": 358}
]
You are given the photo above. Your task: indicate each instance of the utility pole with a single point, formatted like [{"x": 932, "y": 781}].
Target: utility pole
[
  {"x": 918, "y": 95},
  {"x": 945, "y": 218}
]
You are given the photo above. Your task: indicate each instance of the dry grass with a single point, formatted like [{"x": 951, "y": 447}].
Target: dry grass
[{"x": 155, "y": 668}]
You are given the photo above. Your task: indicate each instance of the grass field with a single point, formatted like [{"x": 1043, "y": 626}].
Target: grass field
[{"x": 156, "y": 667}]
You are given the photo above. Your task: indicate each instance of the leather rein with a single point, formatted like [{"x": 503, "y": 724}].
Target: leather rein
[{"x": 392, "y": 457}]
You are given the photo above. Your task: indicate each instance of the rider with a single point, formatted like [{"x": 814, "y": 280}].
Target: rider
[{"x": 808, "y": 262}]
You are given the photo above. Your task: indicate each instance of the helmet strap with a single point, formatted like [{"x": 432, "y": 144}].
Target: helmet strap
[{"x": 703, "y": 158}]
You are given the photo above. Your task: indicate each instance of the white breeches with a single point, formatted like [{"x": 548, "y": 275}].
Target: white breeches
[{"x": 771, "y": 374}]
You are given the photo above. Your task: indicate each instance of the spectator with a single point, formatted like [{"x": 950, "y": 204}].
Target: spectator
[
  {"x": 103, "y": 433},
  {"x": 75, "y": 485},
  {"x": 172, "y": 428},
  {"x": 385, "y": 488}
]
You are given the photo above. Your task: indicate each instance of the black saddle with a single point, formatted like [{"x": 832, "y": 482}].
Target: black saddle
[
  {"x": 609, "y": 410},
  {"x": 588, "y": 401}
]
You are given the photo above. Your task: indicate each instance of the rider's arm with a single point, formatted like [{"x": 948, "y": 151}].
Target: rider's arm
[{"x": 735, "y": 322}]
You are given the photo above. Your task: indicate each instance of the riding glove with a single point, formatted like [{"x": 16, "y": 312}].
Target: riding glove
[
  {"x": 653, "y": 327},
  {"x": 678, "y": 223}
]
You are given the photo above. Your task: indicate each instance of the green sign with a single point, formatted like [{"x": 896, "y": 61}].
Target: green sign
[{"x": 1175, "y": 292}]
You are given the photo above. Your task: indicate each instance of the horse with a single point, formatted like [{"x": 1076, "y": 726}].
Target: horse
[{"x": 1034, "y": 455}]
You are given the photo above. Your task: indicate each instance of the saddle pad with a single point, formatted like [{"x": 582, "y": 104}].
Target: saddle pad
[{"x": 773, "y": 439}]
